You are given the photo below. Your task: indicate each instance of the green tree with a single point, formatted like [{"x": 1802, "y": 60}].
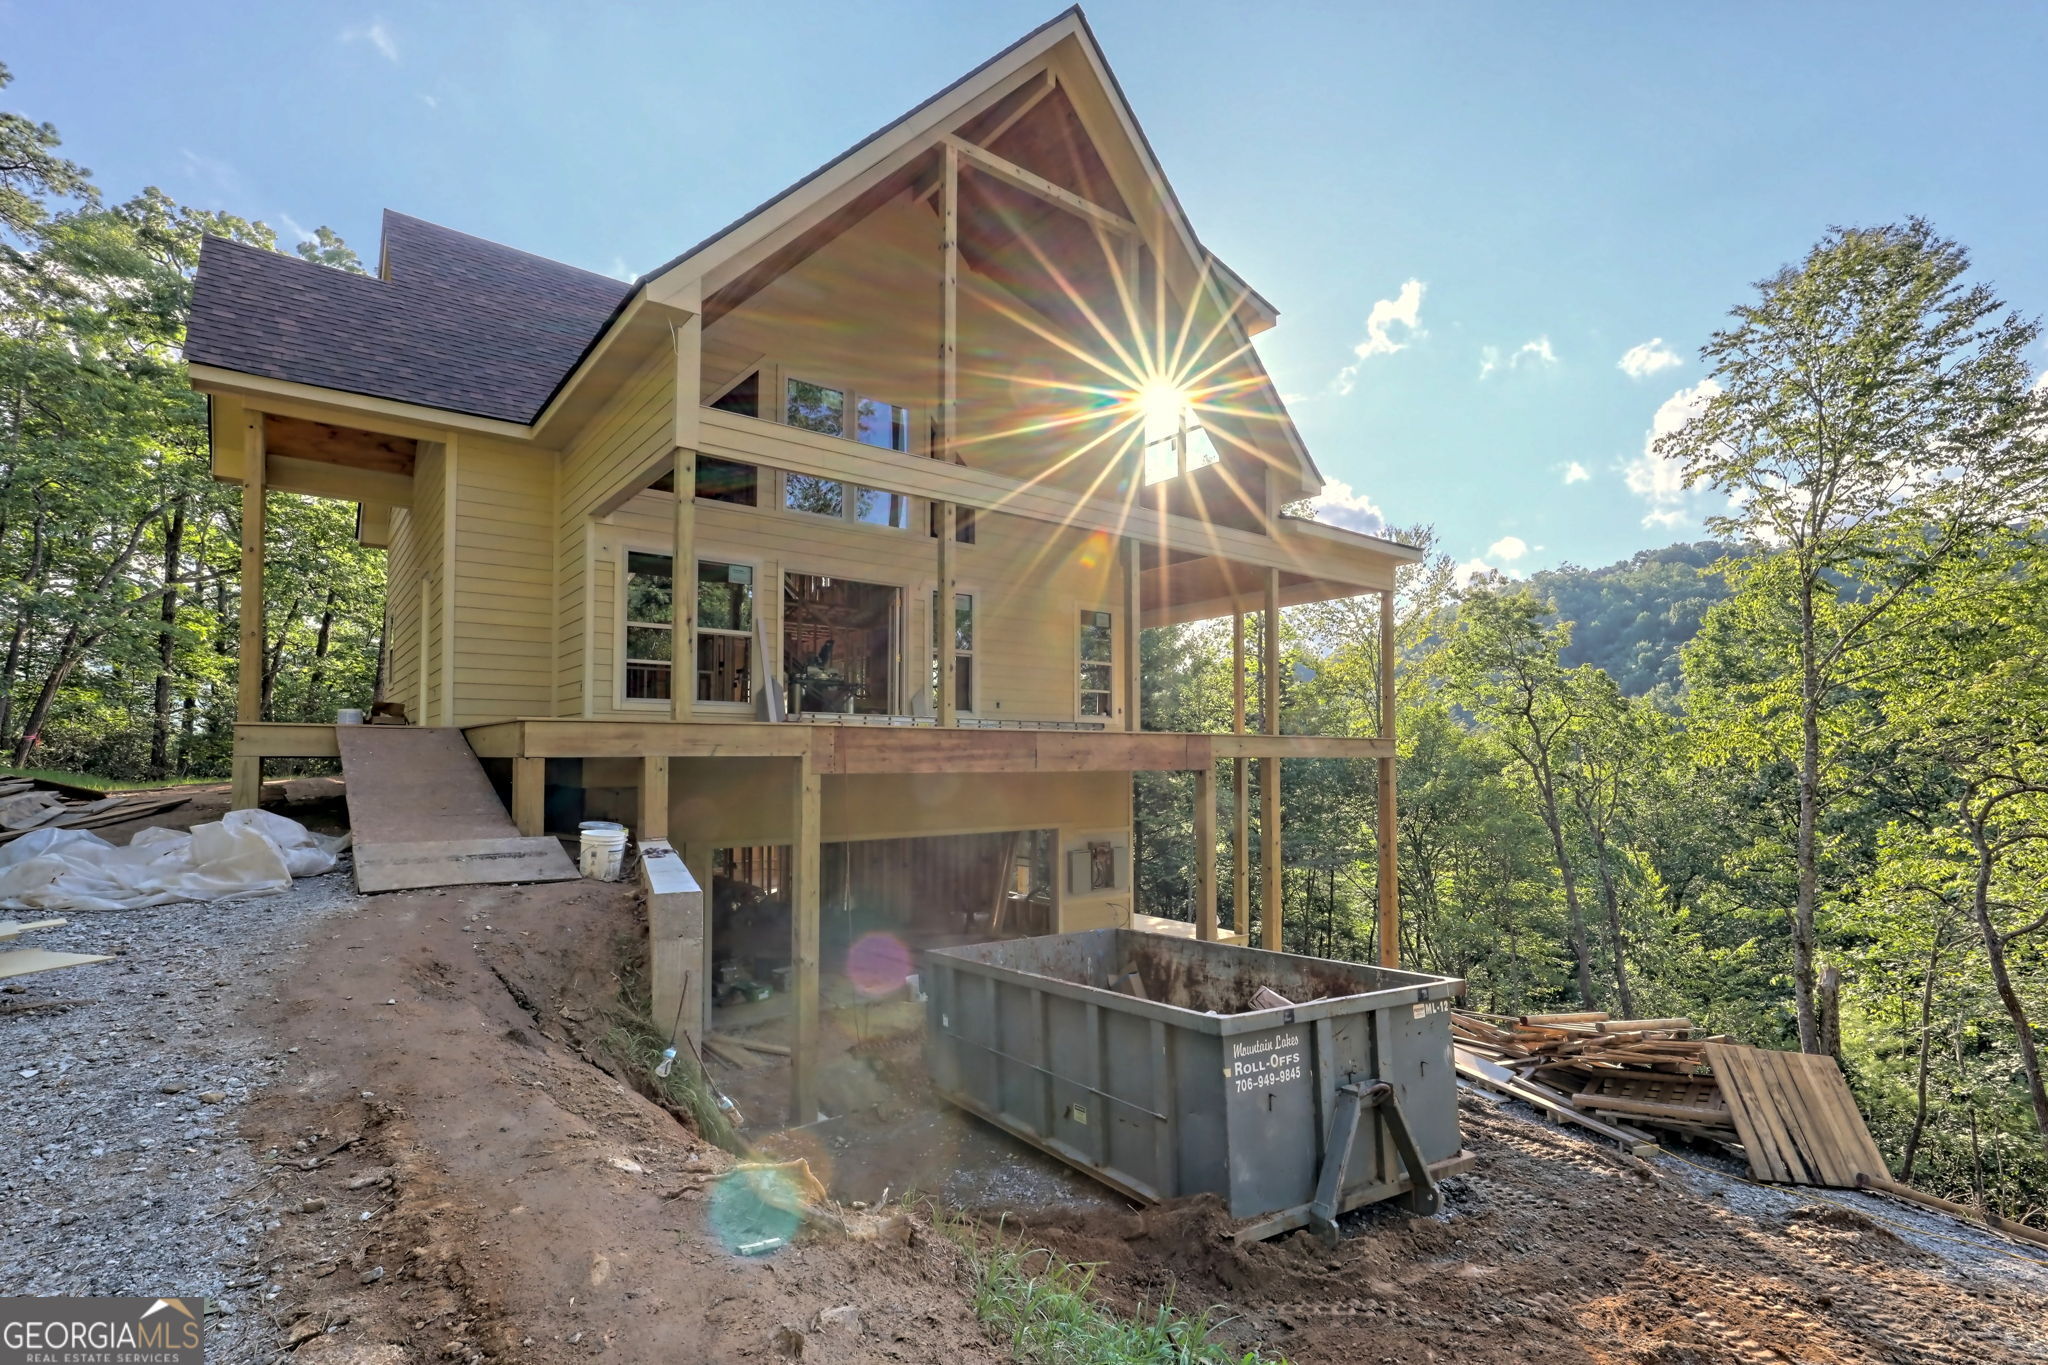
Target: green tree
[{"x": 1872, "y": 415}]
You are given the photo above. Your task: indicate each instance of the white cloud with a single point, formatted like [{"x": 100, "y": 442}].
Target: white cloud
[
  {"x": 1340, "y": 505},
  {"x": 295, "y": 227},
  {"x": 1576, "y": 473},
  {"x": 377, "y": 34},
  {"x": 1508, "y": 547},
  {"x": 1656, "y": 479},
  {"x": 1653, "y": 355},
  {"x": 1403, "y": 310},
  {"x": 431, "y": 101},
  {"x": 1537, "y": 351},
  {"x": 2041, "y": 382},
  {"x": 1471, "y": 569}
]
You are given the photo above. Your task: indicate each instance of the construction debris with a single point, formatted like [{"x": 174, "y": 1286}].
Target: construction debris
[
  {"x": 246, "y": 852},
  {"x": 28, "y": 804},
  {"x": 1789, "y": 1115}
]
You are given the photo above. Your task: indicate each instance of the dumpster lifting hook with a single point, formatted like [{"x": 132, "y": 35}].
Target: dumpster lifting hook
[{"x": 1352, "y": 1102}]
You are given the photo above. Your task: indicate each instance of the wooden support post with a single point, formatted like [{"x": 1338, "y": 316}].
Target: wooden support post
[
  {"x": 1205, "y": 852},
  {"x": 1387, "y": 831},
  {"x": 1272, "y": 875},
  {"x": 247, "y": 788},
  {"x": 1134, "y": 635},
  {"x": 682, "y": 681},
  {"x": 1240, "y": 793},
  {"x": 653, "y": 813},
  {"x": 529, "y": 795},
  {"x": 942, "y": 620},
  {"x": 949, "y": 303},
  {"x": 803, "y": 941}
]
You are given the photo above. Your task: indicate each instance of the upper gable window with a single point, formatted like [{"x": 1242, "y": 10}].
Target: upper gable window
[
  {"x": 882, "y": 424},
  {"x": 816, "y": 408},
  {"x": 1175, "y": 441},
  {"x": 742, "y": 397},
  {"x": 727, "y": 481}
]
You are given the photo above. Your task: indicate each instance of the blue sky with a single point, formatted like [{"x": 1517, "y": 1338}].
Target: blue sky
[{"x": 1497, "y": 202}]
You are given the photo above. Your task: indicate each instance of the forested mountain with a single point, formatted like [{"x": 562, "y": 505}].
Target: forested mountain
[{"x": 1631, "y": 619}]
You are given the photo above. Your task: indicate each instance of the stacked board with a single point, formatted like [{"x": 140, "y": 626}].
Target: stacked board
[{"x": 1798, "y": 1122}]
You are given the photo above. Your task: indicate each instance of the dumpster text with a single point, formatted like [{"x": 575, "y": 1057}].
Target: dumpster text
[{"x": 1266, "y": 1062}]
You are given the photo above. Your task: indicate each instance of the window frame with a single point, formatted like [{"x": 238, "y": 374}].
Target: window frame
[
  {"x": 707, "y": 554},
  {"x": 849, "y": 503},
  {"x": 900, "y": 625},
  {"x": 626, "y": 625},
  {"x": 1115, "y": 615},
  {"x": 973, "y": 596}
]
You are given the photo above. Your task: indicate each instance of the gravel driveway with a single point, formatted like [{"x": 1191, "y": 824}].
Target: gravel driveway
[{"x": 120, "y": 1168}]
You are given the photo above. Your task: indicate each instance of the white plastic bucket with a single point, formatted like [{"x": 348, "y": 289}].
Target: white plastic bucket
[{"x": 602, "y": 856}]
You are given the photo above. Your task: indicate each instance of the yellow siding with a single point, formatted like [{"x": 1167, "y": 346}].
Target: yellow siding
[
  {"x": 633, "y": 435},
  {"x": 504, "y": 581},
  {"x": 419, "y": 592},
  {"x": 402, "y": 616}
]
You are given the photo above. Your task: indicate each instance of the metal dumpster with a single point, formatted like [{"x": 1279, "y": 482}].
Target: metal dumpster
[{"x": 1292, "y": 1114}]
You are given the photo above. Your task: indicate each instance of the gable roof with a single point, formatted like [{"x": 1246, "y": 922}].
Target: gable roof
[{"x": 454, "y": 322}]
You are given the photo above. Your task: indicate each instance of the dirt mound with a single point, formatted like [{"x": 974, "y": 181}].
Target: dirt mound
[{"x": 471, "y": 1185}]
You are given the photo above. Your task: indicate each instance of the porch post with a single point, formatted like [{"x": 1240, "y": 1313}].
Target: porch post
[
  {"x": 949, "y": 303},
  {"x": 529, "y": 795},
  {"x": 1133, "y": 638},
  {"x": 247, "y": 786},
  {"x": 947, "y": 707},
  {"x": 682, "y": 668},
  {"x": 1272, "y": 879},
  {"x": 803, "y": 941},
  {"x": 1386, "y": 830},
  {"x": 1240, "y": 792},
  {"x": 1205, "y": 852}
]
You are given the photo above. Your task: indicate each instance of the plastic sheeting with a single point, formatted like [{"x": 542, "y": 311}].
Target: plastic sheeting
[{"x": 248, "y": 852}]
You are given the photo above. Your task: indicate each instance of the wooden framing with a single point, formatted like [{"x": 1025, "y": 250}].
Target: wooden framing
[
  {"x": 1385, "y": 829},
  {"x": 1240, "y": 793},
  {"x": 682, "y": 668},
  {"x": 246, "y": 790},
  {"x": 943, "y": 631},
  {"x": 1133, "y": 640},
  {"x": 653, "y": 801},
  {"x": 805, "y": 822},
  {"x": 1205, "y": 852},
  {"x": 529, "y": 795},
  {"x": 852, "y": 749},
  {"x": 1010, "y": 173},
  {"x": 1272, "y": 874}
]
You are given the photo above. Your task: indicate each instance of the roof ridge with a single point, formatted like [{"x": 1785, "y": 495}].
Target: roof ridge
[
  {"x": 272, "y": 253},
  {"x": 391, "y": 213}
]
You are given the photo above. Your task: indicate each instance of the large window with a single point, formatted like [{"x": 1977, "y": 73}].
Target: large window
[
  {"x": 838, "y": 644},
  {"x": 963, "y": 650},
  {"x": 963, "y": 524},
  {"x": 727, "y": 481},
  {"x": 725, "y": 629},
  {"x": 830, "y": 498},
  {"x": 1098, "y": 663},
  {"x": 824, "y": 409}
]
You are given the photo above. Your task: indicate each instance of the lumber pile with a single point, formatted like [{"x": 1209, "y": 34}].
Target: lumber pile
[
  {"x": 1614, "y": 1077},
  {"x": 26, "y": 804}
]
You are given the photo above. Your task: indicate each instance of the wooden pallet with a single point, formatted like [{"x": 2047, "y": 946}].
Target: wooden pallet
[{"x": 1798, "y": 1122}]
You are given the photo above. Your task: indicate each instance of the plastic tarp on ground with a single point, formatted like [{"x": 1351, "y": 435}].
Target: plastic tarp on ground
[{"x": 248, "y": 852}]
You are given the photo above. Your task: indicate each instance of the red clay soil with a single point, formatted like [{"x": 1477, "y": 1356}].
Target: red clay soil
[
  {"x": 474, "y": 1188},
  {"x": 473, "y": 1185}
]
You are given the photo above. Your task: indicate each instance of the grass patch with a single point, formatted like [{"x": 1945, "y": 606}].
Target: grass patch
[
  {"x": 104, "y": 784},
  {"x": 637, "y": 1043},
  {"x": 1044, "y": 1306}
]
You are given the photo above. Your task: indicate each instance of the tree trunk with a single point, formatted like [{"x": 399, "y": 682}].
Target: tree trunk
[
  {"x": 166, "y": 646},
  {"x": 1827, "y": 1012},
  {"x": 2001, "y": 978},
  {"x": 1807, "y": 859},
  {"x": 31, "y": 727},
  {"x": 1575, "y": 914},
  {"x": 1612, "y": 898},
  {"x": 321, "y": 643},
  {"x": 10, "y": 671},
  {"x": 1912, "y": 1151}
]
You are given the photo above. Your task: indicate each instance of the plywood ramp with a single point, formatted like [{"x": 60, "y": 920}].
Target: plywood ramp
[
  {"x": 1798, "y": 1122},
  {"x": 423, "y": 814}
]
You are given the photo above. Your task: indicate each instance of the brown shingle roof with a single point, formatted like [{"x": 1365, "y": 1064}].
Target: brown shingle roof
[{"x": 460, "y": 323}]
